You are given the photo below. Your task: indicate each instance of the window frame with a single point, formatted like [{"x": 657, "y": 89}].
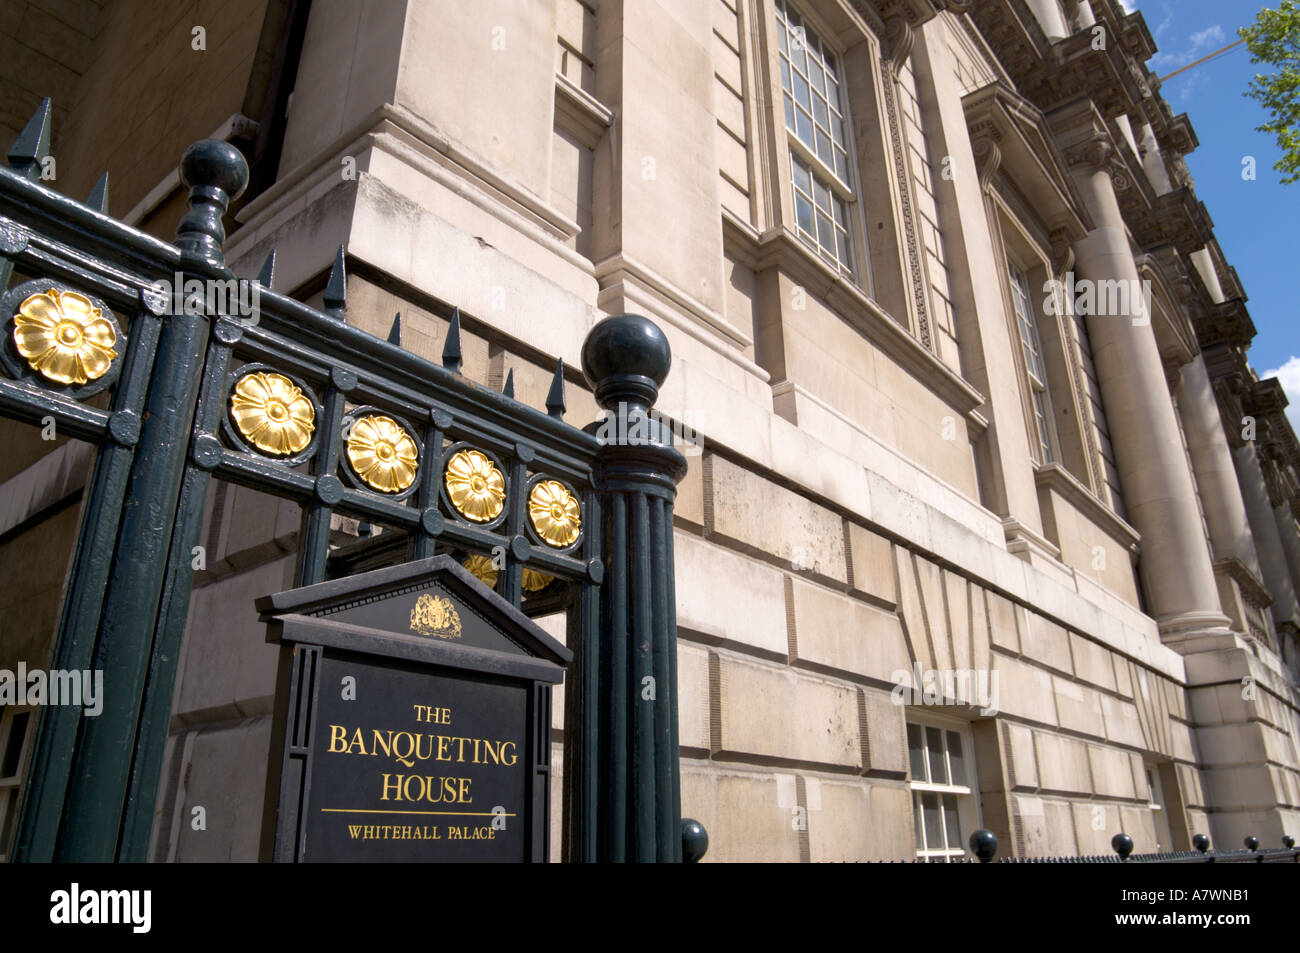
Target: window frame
[
  {"x": 1047, "y": 445},
  {"x": 847, "y": 190},
  {"x": 967, "y": 795},
  {"x": 14, "y": 783}
]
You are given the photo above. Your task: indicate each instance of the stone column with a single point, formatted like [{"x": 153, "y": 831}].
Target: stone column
[
  {"x": 1268, "y": 539},
  {"x": 1286, "y": 529},
  {"x": 1216, "y": 475},
  {"x": 1049, "y": 16},
  {"x": 1158, "y": 488}
]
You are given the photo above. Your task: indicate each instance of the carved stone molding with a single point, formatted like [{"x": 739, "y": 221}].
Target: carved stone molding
[
  {"x": 901, "y": 39},
  {"x": 988, "y": 157}
]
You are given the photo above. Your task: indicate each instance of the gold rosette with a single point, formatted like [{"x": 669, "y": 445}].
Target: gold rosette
[
  {"x": 382, "y": 453},
  {"x": 555, "y": 513},
  {"x": 475, "y": 486},
  {"x": 534, "y": 581},
  {"x": 272, "y": 413},
  {"x": 483, "y": 569},
  {"x": 64, "y": 337}
]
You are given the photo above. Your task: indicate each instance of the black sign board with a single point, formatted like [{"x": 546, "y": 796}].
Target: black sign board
[{"x": 412, "y": 721}]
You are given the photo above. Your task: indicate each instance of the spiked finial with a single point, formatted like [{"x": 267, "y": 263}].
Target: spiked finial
[
  {"x": 33, "y": 143},
  {"x": 395, "y": 333},
  {"x": 509, "y": 389},
  {"x": 555, "y": 399},
  {"x": 216, "y": 173},
  {"x": 266, "y": 277},
  {"x": 336, "y": 289},
  {"x": 451, "y": 349},
  {"x": 98, "y": 198}
]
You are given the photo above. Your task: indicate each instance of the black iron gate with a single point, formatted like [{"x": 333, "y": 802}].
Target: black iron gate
[{"x": 149, "y": 352}]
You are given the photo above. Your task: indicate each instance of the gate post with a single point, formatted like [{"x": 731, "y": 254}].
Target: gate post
[
  {"x": 629, "y": 795},
  {"x": 117, "y": 744}
]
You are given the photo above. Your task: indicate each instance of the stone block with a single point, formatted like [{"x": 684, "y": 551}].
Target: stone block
[
  {"x": 1003, "y": 631},
  {"x": 1022, "y": 762},
  {"x": 225, "y": 774},
  {"x": 1079, "y": 707},
  {"x": 1122, "y": 723},
  {"x": 873, "y": 564},
  {"x": 1139, "y": 824},
  {"x": 742, "y": 812},
  {"x": 688, "y": 508},
  {"x": 778, "y": 713},
  {"x": 957, "y": 592},
  {"x": 1046, "y": 642},
  {"x": 1058, "y": 825},
  {"x": 835, "y": 631},
  {"x": 930, "y": 580},
  {"x": 727, "y": 597},
  {"x": 1024, "y": 690},
  {"x": 909, "y": 601},
  {"x": 885, "y": 733},
  {"x": 692, "y": 696},
  {"x": 856, "y": 821},
  {"x": 1112, "y": 776},
  {"x": 1063, "y": 764},
  {"x": 757, "y": 513},
  {"x": 1092, "y": 662},
  {"x": 1095, "y": 823}
]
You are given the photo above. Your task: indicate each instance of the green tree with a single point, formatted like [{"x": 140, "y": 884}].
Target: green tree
[{"x": 1274, "y": 38}]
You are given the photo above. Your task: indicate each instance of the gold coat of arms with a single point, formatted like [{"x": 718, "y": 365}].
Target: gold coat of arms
[{"x": 435, "y": 615}]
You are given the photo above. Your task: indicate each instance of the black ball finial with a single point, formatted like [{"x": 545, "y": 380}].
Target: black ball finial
[
  {"x": 1252, "y": 843},
  {"x": 1201, "y": 843},
  {"x": 1288, "y": 841},
  {"x": 695, "y": 840},
  {"x": 984, "y": 845},
  {"x": 625, "y": 358},
  {"x": 1122, "y": 844},
  {"x": 216, "y": 173}
]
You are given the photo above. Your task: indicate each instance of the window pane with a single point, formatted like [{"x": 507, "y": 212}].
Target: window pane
[
  {"x": 933, "y": 827},
  {"x": 815, "y": 77},
  {"x": 803, "y": 126},
  {"x": 789, "y": 111},
  {"x": 783, "y": 36},
  {"x": 916, "y": 827},
  {"x": 14, "y": 747},
  {"x": 801, "y": 179},
  {"x": 837, "y": 130},
  {"x": 915, "y": 753},
  {"x": 819, "y": 112},
  {"x": 842, "y": 243},
  {"x": 785, "y": 74},
  {"x": 952, "y": 820},
  {"x": 934, "y": 741},
  {"x": 824, "y": 148},
  {"x": 801, "y": 92},
  {"x": 955, "y": 759},
  {"x": 804, "y": 212},
  {"x": 841, "y": 165},
  {"x": 825, "y": 232},
  {"x": 821, "y": 195}
]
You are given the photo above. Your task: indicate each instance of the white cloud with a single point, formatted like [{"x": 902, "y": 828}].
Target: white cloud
[
  {"x": 1289, "y": 376},
  {"x": 1210, "y": 38}
]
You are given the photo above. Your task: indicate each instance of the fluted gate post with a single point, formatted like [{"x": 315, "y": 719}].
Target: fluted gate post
[{"x": 629, "y": 796}]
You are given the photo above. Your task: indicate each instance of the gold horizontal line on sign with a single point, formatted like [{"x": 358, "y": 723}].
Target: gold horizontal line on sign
[{"x": 362, "y": 810}]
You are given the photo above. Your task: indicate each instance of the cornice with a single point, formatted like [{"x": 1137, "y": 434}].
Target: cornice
[
  {"x": 1009, "y": 132},
  {"x": 1252, "y": 590}
]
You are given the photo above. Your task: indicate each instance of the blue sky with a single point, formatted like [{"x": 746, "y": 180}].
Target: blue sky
[{"x": 1255, "y": 221}]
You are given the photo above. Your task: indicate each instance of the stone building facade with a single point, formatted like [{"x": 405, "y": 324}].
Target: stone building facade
[{"x": 961, "y": 363}]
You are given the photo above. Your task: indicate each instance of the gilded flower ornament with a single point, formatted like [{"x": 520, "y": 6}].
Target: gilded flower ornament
[
  {"x": 272, "y": 413},
  {"x": 64, "y": 337},
  {"x": 475, "y": 486},
  {"x": 534, "y": 581},
  {"x": 555, "y": 513},
  {"x": 483, "y": 568},
  {"x": 382, "y": 453}
]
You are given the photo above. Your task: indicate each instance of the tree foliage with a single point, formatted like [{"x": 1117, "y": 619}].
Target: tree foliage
[{"x": 1274, "y": 38}]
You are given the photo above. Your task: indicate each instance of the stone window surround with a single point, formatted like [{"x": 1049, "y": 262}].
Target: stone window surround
[
  {"x": 782, "y": 174},
  {"x": 968, "y": 795}
]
